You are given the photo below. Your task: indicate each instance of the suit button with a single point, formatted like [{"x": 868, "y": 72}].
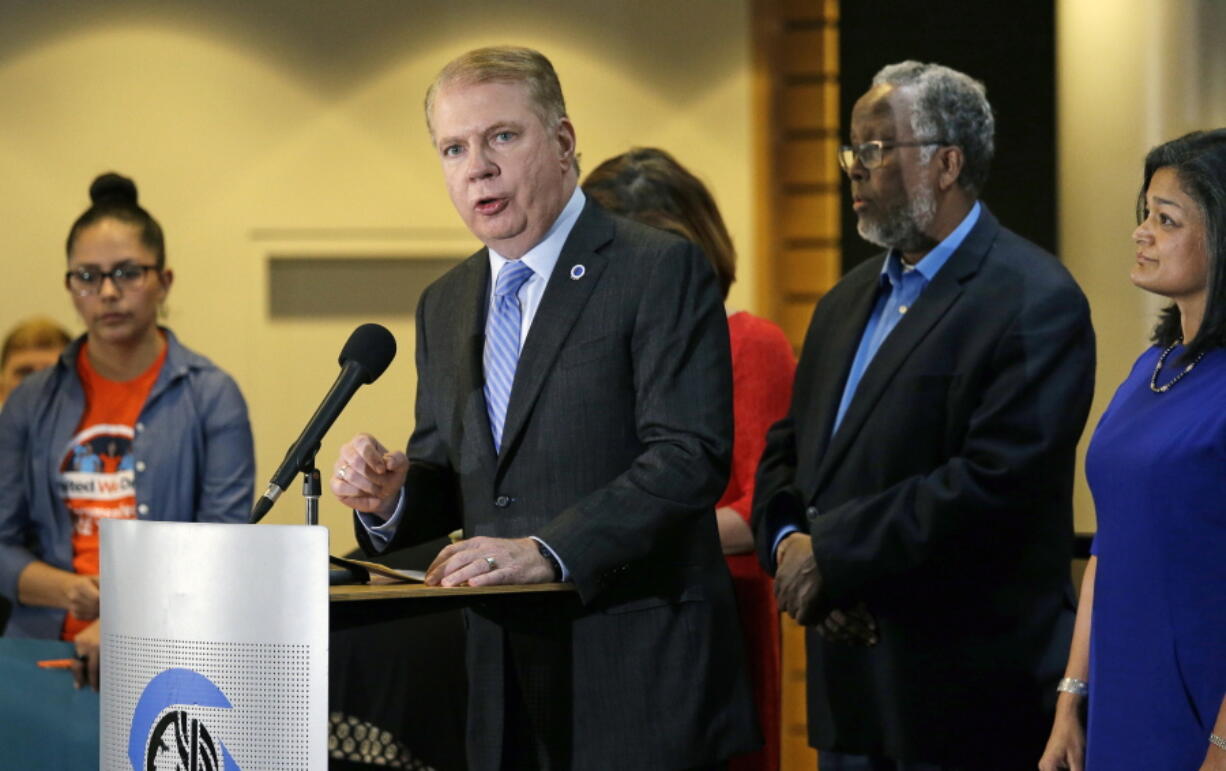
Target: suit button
[
  {"x": 811, "y": 512},
  {"x": 502, "y": 501}
]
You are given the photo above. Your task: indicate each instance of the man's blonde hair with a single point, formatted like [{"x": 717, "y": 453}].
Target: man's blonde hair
[
  {"x": 505, "y": 64},
  {"x": 35, "y": 333}
]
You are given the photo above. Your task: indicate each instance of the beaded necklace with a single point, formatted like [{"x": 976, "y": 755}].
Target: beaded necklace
[{"x": 1153, "y": 379}]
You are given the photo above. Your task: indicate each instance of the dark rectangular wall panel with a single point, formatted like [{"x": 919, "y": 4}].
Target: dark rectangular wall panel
[{"x": 1011, "y": 47}]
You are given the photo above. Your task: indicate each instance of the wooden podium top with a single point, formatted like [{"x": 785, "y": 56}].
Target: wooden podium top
[{"x": 416, "y": 591}]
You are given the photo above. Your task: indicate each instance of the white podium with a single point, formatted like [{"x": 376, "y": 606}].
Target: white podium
[{"x": 214, "y": 646}]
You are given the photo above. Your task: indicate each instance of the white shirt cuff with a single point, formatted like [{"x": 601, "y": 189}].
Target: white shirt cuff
[
  {"x": 381, "y": 531},
  {"x": 561, "y": 564}
]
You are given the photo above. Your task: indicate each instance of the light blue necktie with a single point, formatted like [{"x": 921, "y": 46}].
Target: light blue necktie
[{"x": 502, "y": 344}]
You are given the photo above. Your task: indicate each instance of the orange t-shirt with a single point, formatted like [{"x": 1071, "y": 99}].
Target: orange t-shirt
[{"x": 97, "y": 475}]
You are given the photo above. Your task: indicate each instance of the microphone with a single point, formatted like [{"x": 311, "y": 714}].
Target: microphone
[{"x": 365, "y": 356}]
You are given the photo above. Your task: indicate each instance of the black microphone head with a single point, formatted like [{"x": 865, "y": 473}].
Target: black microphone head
[{"x": 372, "y": 348}]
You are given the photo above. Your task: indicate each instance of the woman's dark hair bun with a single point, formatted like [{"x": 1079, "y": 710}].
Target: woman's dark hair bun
[
  {"x": 113, "y": 196},
  {"x": 112, "y": 188}
]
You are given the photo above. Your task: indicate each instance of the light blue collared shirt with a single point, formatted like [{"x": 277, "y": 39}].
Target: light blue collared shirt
[
  {"x": 541, "y": 258},
  {"x": 906, "y": 284}
]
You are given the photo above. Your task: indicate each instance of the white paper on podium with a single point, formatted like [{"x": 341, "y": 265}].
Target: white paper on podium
[{"x": 214, "y": 644}]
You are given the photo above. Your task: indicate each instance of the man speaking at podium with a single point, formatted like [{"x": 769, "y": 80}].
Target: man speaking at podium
[{"x": 573, "y": 416}]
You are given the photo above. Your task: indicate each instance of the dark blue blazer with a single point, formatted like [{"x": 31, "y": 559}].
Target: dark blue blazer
[{"x": 943, "y": 503}]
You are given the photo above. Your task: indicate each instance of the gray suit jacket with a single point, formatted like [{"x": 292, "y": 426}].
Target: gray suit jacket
[{"x": 616, "y": 446}]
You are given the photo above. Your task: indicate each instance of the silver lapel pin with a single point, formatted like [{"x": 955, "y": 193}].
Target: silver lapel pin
[{"x": 577, "y": 272}]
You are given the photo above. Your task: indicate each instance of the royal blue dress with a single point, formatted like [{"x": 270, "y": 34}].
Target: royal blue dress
[{"x": 1157, "y": 468}]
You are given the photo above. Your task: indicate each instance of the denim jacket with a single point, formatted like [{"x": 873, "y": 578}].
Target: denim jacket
[{"x": 194, "y": 463}]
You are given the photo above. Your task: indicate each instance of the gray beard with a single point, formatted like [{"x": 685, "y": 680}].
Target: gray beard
[{"x": 903, "y": 228}]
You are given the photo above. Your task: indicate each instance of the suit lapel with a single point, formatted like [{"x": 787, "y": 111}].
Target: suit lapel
[
  {"x": 931, "y": 306},
  {"x": 563, "y": 301},
  {"x": 470, "y": 343},
  {"x": 840, "y": 346}
]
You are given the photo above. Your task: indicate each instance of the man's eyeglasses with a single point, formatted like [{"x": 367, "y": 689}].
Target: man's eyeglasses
[
  {"x": 86, "y": 281},
  {"x": 871, "y": 154}
]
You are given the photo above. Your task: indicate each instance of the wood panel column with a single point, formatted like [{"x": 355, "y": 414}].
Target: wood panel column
[
  {"x": 796, "y": 100},
  {"x": 798, "y": 254}
]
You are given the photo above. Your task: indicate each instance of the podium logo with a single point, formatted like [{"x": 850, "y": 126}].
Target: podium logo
[{"x": 161, "y": 739}]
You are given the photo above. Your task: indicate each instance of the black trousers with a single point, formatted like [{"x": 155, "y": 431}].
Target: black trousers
[{"x": 537, "y": 690}]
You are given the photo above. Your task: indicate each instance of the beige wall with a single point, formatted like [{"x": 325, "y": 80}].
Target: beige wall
[
  {"x": 281, "y": 129},
  {"x": 1132, "y": 74}
]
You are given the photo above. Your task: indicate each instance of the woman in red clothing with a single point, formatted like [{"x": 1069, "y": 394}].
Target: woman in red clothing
[{"x": 648, "y": 185}]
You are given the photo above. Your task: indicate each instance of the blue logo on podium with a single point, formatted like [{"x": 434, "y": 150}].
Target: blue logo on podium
[{"x": 177, "y": 739}]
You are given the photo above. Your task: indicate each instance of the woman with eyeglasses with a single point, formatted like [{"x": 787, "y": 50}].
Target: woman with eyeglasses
[
  {"x": 1148, "y": 656},
  {"x": 128, "y": 424}
]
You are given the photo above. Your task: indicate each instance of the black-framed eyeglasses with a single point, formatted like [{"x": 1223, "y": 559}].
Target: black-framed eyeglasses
[
  {"x": 86, "y": 281},
  {"x": 871, "y": 154}
]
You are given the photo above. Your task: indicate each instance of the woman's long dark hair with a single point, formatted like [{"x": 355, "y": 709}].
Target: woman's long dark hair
[
  {"x": 649, "y": 185},
  {"x": 1199, "y": 162}
]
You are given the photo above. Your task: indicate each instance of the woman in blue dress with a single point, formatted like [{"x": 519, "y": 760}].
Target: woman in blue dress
[{"x": 1149, "y": 650}]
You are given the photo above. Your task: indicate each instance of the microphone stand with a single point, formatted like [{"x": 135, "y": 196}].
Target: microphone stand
[
  {"x": 312, "y": 487},
  {"x": 311, "y": 490}
]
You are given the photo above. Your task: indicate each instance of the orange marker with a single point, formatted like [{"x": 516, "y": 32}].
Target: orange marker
[{"x": 57, "y": 663}]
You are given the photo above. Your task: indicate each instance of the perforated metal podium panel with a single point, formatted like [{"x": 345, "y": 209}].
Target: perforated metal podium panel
[{"x": 214, "y": 646}]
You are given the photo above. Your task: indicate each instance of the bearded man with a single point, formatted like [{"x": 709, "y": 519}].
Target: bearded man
[{"x": 915, "y": 506}]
